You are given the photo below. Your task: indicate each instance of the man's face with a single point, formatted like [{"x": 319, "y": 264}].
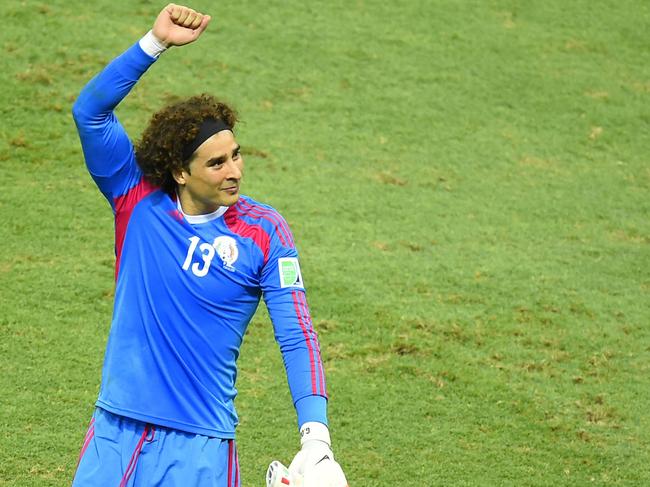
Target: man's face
[{"x": 215, "y": 172}]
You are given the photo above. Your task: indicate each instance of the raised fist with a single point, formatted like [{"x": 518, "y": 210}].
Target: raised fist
[{"x": 177, "y": 25}]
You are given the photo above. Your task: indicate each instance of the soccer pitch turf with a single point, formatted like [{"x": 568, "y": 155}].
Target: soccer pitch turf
[{"x": 468, "y": 186}]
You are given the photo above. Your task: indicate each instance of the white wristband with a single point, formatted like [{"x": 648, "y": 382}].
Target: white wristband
[
  {"x": 314, "y": 431},
  {"x": 152, "y": 45}
]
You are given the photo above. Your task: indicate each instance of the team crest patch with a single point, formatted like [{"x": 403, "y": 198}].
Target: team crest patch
[
  {"x": 290, "y": 275},
  {"x": 227, "y": 250}
]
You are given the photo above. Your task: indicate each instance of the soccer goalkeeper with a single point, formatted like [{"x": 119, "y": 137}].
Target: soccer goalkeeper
[{"x": 194, "y": 257}]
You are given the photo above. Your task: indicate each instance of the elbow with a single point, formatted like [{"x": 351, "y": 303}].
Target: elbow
[{"x": 77, "y": 111}]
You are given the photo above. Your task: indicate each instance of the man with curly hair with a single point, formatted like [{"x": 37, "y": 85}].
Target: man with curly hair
[{"x": 194, "y": 257}]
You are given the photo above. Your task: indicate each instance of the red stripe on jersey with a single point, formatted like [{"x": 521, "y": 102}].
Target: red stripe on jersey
[
  {"x": 319, "y": 361},
  {"x": 269, "y": 214},
  {"x": 123, "y": 208},
  {"x": 281, "y": 227},
  {"x": 305, "y": 332},
  {"x": 233, "y": 220}
]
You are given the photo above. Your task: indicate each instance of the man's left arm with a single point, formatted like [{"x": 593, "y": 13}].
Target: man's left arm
[{"x": 286, "y": 300}]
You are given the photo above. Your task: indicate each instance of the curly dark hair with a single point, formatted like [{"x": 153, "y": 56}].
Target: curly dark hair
[{"x": 159, "y": 152}]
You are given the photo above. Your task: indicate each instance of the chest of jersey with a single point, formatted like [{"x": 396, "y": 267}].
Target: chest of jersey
[{"x": 204, "y": 264}]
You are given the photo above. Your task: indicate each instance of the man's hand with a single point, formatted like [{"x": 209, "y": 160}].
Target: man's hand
[
  {"x": 177, "y": 25},
  {"x": 315, "y": 463},
  {"x": 327, "y": 473}
]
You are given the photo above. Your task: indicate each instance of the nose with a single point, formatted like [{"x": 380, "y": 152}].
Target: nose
[{"x": 234, "y": 169}]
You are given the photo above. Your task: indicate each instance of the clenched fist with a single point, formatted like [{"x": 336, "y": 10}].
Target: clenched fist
[{"x": 177, "y": 25}]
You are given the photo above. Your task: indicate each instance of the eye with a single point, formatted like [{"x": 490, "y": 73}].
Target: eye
[{"x": 217, "y": 163}]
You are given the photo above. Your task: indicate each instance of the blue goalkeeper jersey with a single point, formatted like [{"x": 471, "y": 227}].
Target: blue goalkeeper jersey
[{"x": 187, "y": 287}]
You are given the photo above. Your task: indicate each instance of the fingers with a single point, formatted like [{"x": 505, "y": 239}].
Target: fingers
[
  {"x": 194, "y": 20},
  {"x": 204, "y": 24},
  {"x": 177, "y": 25},
  {"x": 186, "y": 17}
]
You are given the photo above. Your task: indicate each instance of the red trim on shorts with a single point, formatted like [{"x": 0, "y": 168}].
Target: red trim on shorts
[
  {"x": 236, "y": 466},
  {"x": 90, "y": 432},
  {"x": 230, "y": 450},
  {"x": 136, "y": 453}
]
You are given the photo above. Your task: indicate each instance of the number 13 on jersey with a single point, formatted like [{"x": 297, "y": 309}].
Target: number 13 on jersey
[{"x": 225, "y": 246}]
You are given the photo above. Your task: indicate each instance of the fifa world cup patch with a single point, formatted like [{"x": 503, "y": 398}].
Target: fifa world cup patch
[{"x": 290, "y": 275}]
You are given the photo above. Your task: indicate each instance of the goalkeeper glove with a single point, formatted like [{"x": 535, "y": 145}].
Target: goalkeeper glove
[{"x": 315, "y": 461}]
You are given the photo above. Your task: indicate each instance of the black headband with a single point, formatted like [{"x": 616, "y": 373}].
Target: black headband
[{"x": 209, "y": 127}]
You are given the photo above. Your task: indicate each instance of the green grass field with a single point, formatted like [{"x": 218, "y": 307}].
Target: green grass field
[{"x": 468, "y": 183}]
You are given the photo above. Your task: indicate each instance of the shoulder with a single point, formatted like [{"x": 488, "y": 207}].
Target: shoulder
[
  {"x": 246, "y": 203},
  {"x": 139, "y": 192},
  {"x": 249, "y": 212}
]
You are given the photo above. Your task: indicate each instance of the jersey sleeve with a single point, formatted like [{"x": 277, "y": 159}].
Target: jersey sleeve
[
  {"x": 284, "y": 294},
  {"x": 109, "y": 154}
]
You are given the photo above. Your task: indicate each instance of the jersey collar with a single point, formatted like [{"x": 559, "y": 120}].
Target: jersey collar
[{"x": 207, "y": 217}]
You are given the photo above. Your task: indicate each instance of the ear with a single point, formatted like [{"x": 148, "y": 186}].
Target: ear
[{"x": 180, "y": 176}]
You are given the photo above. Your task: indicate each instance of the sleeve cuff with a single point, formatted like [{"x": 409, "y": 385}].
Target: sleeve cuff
[
  {"x": 311, "y": 409},
  {"x": 151, "y": 45}
]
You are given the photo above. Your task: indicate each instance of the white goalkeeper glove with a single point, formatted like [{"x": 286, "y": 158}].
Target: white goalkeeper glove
[{"x": 315, "y": 461}]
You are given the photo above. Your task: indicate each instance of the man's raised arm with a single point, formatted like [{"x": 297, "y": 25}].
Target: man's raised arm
[{"x": 107, "y": 149}]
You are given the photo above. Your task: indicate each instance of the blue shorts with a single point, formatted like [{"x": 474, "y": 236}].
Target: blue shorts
[{"x": 122, "y": 452}]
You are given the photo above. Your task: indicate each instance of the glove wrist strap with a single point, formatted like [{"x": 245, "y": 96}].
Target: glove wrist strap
[{"x": 315, "y": 431}]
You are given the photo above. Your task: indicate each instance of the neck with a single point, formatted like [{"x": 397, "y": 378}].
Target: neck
[{"x": 189, "y": 206}]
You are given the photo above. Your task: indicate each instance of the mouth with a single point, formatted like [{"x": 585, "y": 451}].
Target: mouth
[{"x": 231, "y": 189}]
